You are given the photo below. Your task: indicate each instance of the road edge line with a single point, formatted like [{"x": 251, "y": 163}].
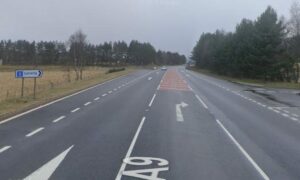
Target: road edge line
[{"x": 244, "y": 152}]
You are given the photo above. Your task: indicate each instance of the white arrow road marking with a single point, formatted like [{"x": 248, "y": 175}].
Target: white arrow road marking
[
  {"x": 48, "y": 169},
  {"x": 149, "y": 78},
  {"x": 178, "y": 111}
]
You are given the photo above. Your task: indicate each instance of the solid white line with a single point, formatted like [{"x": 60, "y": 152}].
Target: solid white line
[
  {"x": 58, "y": 119},
  {"x": 97, "y": 98},
  {"x": 4, "y": 148},
  {"x": 123, "y": 166},
  {"x": 150, "y": 104},
  {"x": 87, "y": 103},
  {"x": 261, "y": 172},
  {"x": 34, "y": 132},
  {"x": 55, "y": 101},
  {"x": 74, "y": 110},
  {"x": 201, "y": 101},
  {"x": 48, "y": 169},
  {"x": 104, "y": 94}
]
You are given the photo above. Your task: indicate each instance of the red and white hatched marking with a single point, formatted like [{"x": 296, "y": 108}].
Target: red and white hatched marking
[{"x": 172, "y": 80}]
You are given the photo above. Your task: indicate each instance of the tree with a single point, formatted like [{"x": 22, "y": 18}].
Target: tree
[
  {"x": 269, "y": 43},
  {"x": 294, "y": 23},
  {"x": 77, "y": 42}
]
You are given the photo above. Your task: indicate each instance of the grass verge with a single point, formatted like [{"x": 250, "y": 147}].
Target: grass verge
[
  {"x": 251, "y": 82},
  {"x": 14, "y": 106}
]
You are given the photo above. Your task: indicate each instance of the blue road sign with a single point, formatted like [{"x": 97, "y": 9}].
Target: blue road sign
[{"x": 29, "y": 73}]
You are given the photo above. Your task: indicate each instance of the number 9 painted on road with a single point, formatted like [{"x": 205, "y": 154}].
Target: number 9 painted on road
[
  {"x": 144, "y": 161},
  {"x": 150, "y": 174}
]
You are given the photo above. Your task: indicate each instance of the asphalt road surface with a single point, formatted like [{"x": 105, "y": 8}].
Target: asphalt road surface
[{"x": 154, "y": 124}]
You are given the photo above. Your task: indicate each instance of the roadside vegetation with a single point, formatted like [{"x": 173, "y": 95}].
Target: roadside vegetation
[
  {"x": 250, "y": 82},
  {"x": 265, "y": 50},
  {"x": 56, "y": 82},
  {"x": 69, "y": 66}
]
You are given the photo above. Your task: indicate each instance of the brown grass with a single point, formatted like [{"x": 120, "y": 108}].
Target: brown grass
[{"x": 56, "y": 82}]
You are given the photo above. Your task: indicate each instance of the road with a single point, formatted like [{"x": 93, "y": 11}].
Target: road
[{"x": 153, "y": 124}]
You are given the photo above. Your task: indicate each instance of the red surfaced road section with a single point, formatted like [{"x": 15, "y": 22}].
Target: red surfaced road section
[{"x": 173, "y": 81}]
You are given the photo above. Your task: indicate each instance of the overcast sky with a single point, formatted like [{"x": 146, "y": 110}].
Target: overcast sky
[{"x": 173, "y": 25}]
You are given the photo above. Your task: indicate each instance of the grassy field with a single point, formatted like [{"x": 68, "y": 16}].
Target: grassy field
[
  {"x": 56, "y": 82},
  {"x": 257, "y": 82}
]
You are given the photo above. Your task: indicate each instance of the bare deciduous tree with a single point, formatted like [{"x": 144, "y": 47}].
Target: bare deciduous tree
[
  {"x": 294, "y": 23},
  {"x": 77, "y": 43}
]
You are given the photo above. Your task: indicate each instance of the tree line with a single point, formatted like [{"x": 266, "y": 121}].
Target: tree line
[
  {"x": 78, "y": 52},
  {"x": 267, "y": 48}
]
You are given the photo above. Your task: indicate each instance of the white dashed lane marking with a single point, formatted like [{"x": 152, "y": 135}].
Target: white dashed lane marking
[
  {"x": 97, "y": 98},
  {"x": 104, "y": 95},
  {"x": 4, "y": 148},
  {"x": 74, "y": 110},
  {"x": 34, "y": 132},
  {"x": 58, "y": 119},
  {"x": 87, "y": 103}
]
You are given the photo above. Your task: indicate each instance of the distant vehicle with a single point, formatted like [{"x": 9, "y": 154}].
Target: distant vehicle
[{"x": 164, "y": 68}]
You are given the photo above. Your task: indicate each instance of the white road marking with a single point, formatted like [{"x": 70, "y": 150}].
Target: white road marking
[
  {"x": 109, "y": 92},
  {"x": 74, "y": 110},
  {"x": 285, "y": 115},
  {"x": 4, "y": 148},
  {"x": 201, "y": 101},
  {"x": 276, "y": 111},
  {"x": 294, "y": 119},
  {"x": 179, "y": 112},
  {"x": 119, "y": 87},
  {"x": 87, "y": 103},
  {"x": 58, "y": 119},
  {"x": 123, "y": 166},
  {"x": 104, "y": 94},
  {"x": 286, "y": 111},
  {"x": 34, "y": 132},
  {"x": 295, "y": 115},
  {"x": 149, "y": 78},
  {"x": 261, "y": 172},
  {"x": 115, "y": 89},
  {"x": 97, "y": 98},
  {"x": 48, "y": 169},
  {"x": 151, "y": 102}
]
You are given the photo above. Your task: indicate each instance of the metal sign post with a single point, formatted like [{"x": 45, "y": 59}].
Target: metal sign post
[{"x": 28, "y": 74}]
